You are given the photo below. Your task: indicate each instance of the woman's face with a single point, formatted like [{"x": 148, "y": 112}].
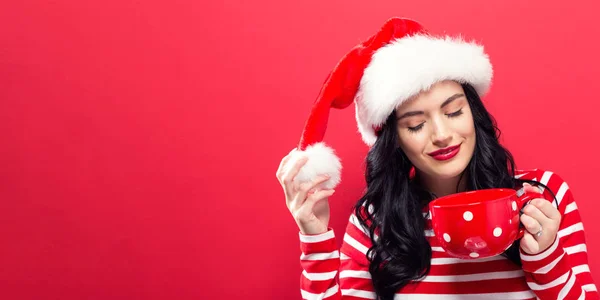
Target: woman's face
[{"x": 434, "y": 120}]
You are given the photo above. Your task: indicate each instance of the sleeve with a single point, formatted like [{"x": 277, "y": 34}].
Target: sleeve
[
  {"x": 321, "y": 261},
  {"x": 562, "y": 270}
]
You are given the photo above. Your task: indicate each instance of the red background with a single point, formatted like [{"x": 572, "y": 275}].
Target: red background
[{"x": 140, "y": 139}]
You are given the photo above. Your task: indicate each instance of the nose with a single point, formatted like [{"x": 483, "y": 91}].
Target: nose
[{"x": 441, "y": 136}]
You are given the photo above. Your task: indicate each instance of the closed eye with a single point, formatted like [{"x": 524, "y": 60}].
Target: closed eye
[
  {"x": 416, "y": 128},
  {"x": 455, "y": 114},
  {"x": 450, "y": 115}
]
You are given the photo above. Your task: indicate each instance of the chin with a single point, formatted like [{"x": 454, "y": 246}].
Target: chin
[
  {"x": 448, "y": 174},
  {"x": 449, "y": 170}
]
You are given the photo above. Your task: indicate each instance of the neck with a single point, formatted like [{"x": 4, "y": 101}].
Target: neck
[{"x": 443, "y": 187}]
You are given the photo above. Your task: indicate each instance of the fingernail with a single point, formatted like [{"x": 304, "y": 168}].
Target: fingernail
[{"x": 526, "y": 184}]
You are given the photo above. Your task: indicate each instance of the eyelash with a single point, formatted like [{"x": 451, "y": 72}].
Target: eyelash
[{"x": 450, "y": 115}]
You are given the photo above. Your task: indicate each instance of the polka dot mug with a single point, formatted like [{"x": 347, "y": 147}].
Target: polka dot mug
[{"x": 479, "y": 224}]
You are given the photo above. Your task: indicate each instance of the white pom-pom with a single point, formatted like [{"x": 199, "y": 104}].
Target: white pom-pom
[{"x": 321, "y": 160}]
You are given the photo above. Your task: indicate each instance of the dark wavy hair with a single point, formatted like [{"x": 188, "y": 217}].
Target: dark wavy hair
[{"x": 401, "y": 253}]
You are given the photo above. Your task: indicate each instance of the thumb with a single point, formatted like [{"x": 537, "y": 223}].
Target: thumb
[{"x": 530, "y": 188}]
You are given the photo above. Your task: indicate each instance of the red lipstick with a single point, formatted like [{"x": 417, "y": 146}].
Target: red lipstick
[{"x": 446, "y": 153}]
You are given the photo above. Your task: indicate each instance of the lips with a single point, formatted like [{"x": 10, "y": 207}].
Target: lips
[{"x": 446, "y": 153}]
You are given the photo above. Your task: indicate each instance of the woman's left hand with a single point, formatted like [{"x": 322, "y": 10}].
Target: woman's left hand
[{"x": 541, "y": 220}]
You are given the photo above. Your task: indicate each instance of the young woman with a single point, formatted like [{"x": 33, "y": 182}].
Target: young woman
[{"x": 418, "y": 107}]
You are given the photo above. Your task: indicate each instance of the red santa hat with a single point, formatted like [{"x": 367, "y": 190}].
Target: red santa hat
[{"x": 398, "y": 62}]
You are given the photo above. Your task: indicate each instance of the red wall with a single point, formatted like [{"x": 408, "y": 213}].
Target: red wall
[{"x": 140, "y": 139}]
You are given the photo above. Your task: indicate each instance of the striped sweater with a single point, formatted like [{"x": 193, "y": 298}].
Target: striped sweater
[{"x": 560, "y": 272}]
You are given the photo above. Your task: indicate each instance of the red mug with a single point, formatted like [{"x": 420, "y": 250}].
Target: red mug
[{"x": 479, "y": 224}]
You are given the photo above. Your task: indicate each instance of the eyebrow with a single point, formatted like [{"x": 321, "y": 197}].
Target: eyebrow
[{"x": 416, "y": 113}]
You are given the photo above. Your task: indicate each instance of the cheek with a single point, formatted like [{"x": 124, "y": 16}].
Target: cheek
[
  {"x": 468, "y": 131},
  {"x": 412, "y": 144},
  {"x": 466, "y": 127}
]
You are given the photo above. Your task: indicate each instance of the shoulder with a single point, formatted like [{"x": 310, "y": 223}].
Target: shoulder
[{"x": 540, "y": 175}]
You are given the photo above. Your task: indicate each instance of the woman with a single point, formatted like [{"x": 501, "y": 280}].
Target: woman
[{"x": 418, "y": 107}]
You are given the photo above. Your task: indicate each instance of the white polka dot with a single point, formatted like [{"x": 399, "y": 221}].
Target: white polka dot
[
  {"x": 468, "y": 216},
  {"x": 497, "y": 231},
  {"x": 447, "y": 237},
  {"x": 514, "y": 205},
  {"x": 474, "y": 255}
]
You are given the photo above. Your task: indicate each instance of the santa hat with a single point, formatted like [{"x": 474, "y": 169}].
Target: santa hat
[{"x": 398, "y": 62}]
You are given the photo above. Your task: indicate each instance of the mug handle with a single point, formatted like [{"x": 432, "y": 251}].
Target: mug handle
[{"x": 523, "y": 199}]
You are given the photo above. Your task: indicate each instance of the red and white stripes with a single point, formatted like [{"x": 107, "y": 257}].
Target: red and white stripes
[{"x": 560, "y": 272}]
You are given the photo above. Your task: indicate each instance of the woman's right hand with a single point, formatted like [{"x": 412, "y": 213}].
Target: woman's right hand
[{"x": 308, "y": 204}]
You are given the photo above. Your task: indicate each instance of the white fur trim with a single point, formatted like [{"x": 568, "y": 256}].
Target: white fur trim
[
  {"x": 409, "y": 65},
  {"x": 321, "y": 160}
]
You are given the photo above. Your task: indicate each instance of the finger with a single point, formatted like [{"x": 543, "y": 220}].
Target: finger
[
  {"x": 529, "y": 244},
  {"x": 317, "y": 196},
  {"x": 285, "y": 159},
  {"x": 311, "y": 185},
  {"x": 533, "y": 211},
  {"x": 290, "y": 174},
  {"x": 532, "y": 225},
  {"x": 297, "y": 185},
  {"x": 547, "y": 209}
]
